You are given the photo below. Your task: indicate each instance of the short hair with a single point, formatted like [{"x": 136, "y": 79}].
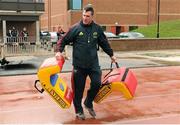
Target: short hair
[{"x": 89, "y": 8}]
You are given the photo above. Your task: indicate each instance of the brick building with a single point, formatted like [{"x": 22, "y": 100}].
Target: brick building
[{"x": 113, "y": 15}]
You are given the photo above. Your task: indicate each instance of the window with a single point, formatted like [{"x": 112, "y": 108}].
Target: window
[{"x": 74, "y": 4}]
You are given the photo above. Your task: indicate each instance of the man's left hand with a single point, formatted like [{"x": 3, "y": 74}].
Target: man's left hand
[{"x": 113, "y": 59}]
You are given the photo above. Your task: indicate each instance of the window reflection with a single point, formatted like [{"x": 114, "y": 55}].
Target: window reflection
[{"x": 75, "y": 4}]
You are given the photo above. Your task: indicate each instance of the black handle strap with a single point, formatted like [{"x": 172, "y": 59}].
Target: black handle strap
[
  {"x": 111, "y": 68},
  {"x": 117, "y": 65},
  {"x": 35, "y": 85}
]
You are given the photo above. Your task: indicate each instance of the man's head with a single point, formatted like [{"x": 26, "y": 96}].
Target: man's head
[
  {"x": 88, "y": 13},
  {"x": 24, "y": 29}
]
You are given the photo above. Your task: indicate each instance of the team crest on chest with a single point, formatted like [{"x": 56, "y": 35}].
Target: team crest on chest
[
  {"x": 81, "y": 34},
  {"x": 95, "y": 35}
]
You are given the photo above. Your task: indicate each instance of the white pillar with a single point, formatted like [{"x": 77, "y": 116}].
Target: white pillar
[
  {"x": 37, "y": 33},
  {"x": 4, "y": 31}
]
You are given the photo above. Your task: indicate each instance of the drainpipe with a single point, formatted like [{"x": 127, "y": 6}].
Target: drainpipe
[{"x": 158, "y": 14}]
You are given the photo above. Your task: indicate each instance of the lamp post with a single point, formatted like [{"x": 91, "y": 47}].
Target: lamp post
[{"x": 158, "y": 17}]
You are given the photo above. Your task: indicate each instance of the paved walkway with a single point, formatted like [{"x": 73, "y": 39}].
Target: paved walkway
[
  {"x": 157, "y": 100},
  {"x": 133, "y": 59}
]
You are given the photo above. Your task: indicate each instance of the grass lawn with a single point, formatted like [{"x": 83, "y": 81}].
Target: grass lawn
[{"x": 167, "y": 29}]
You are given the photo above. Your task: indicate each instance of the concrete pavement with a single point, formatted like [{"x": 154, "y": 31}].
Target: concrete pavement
[{"x": 132, "y": 59}]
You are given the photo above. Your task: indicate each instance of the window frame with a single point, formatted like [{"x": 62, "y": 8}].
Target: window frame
[{"x": 70, "y": 5}]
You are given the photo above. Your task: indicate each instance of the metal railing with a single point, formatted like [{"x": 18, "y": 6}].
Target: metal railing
[{"x": 18, "y": 46}]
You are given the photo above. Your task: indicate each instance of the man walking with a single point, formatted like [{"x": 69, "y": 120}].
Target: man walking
[{"x": 85, "y": 36}]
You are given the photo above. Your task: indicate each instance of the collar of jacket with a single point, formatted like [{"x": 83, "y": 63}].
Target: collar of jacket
[{"x": 86, "y": 25}]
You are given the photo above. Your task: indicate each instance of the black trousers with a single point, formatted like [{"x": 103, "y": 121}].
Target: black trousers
[{"x": 79, "y": 76}]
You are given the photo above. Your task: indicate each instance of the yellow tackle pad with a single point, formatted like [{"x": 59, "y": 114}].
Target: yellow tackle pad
[{"x": 56, "y": 87}]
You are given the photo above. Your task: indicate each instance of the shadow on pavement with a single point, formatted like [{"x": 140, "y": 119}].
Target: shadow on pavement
[{"x": 19, "y": 66}]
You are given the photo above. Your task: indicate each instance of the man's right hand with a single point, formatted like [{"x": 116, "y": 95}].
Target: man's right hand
[{"x": 58, "y": 56}]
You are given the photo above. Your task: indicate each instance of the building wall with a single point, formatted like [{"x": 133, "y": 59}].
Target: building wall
[
  {"x": 44, "y": 18},
  {"x": 110, "y": 13},
  {"x": 121, "y": 12},
  {"x": 170, "y": 9},
  {"x": 55, "y": 15},
  {"x": 144, "y": 44},
  {"x": 135, "y": 12}
]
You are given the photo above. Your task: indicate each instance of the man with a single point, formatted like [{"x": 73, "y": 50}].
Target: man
[
  {"x": 84, "y": 37},
  {"x": 14, "y": 34},
  {"x": 24, "y": 34}
]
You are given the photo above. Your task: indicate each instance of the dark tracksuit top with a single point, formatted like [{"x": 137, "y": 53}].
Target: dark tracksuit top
[{"x": 84, "y": 39}]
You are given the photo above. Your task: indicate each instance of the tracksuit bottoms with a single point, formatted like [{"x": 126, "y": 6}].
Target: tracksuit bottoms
[{"x": 79, "y": 76}]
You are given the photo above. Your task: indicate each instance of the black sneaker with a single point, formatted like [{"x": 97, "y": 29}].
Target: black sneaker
[
  {"x": 80, "y": 116},
  {"x": 91, "y": 111}
]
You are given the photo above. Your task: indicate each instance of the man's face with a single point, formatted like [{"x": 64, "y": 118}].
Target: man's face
[{"x": 87, "y": 17}]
